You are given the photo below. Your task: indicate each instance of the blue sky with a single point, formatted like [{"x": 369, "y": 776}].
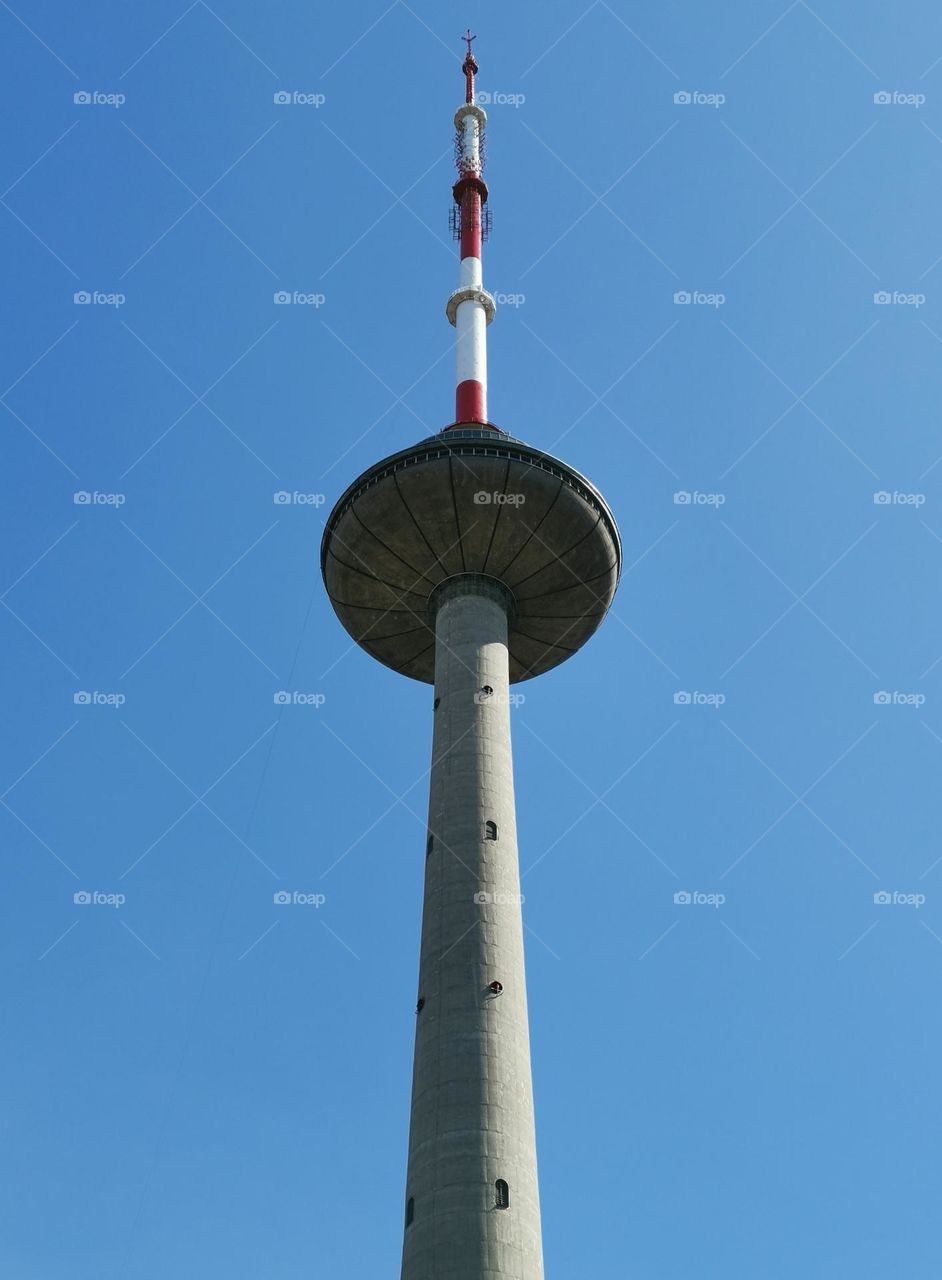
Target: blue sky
[{"x": 201, "y": 1082}]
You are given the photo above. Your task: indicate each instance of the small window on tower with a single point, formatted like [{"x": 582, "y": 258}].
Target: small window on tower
[
  {"x": 490, "y": 830},
  {"x": 435, "y": 704},
  {"x": 429, "y": 845},
  {"x": 410, "y": 1210},
  {"x": 502, "y": 1194}
]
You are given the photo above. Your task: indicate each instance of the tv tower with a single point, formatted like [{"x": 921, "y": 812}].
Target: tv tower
[{"x": 471, "y": 561}]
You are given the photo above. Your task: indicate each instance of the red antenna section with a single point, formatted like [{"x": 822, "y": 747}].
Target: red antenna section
[
  {"x": 469, "y": 67},
  {"x": 470, "y": 308}
]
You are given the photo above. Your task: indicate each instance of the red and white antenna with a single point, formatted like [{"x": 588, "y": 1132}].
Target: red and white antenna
[{"x": 470, "y": 308}]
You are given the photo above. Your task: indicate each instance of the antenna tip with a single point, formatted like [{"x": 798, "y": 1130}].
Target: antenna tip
[{"x": 469, "y": 66}]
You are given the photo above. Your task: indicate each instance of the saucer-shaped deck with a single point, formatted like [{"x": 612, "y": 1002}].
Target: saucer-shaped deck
[{"x": 471, "y": 500}]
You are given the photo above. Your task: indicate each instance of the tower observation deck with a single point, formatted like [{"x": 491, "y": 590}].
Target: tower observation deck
[{"x": 471, "y": 561}]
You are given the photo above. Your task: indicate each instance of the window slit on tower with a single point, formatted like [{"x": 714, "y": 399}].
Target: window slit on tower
[
  {"x": 490, "y": 830},
  {"x": 429, "y": 845},
  {"x": 502, "y": 1194},
  {"x": 410, "y": 1210}
]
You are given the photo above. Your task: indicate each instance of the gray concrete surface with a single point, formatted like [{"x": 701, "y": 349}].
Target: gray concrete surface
[{"x": 472, "y": 1102}]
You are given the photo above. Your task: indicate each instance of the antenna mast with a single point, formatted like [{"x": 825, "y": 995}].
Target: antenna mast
[{"x": 470, "y": 308}]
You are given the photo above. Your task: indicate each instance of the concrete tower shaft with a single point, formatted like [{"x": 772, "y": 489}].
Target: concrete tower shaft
[{"x": 472, "y": 1207}]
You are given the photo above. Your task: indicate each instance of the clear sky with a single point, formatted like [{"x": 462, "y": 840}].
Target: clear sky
[{"x": 201, "y": 1082}]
